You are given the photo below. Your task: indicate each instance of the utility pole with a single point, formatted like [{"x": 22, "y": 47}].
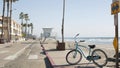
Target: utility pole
[{"x": 63, "y": 21}]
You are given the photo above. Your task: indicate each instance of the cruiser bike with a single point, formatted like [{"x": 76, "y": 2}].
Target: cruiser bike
[{"x": 98, "y": 56}]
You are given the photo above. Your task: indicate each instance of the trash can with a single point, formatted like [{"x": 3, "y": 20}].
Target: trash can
[{"x": 60, "y": 45}]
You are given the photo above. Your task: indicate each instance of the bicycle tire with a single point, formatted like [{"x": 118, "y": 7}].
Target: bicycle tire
[
  {"x": 76, "y": 59},
  {"x": 102, "y": 60}
]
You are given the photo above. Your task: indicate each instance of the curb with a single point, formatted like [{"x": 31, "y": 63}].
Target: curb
[{"x": 49, "y": 58}]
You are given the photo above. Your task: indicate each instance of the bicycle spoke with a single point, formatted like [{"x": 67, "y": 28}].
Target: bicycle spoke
[
  {"x": 99, "y": 57},
  {"x": 73, "y": 57}
]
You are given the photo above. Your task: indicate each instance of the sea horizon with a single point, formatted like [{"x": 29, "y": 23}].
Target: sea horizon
[{"x": 91, "y": 40}]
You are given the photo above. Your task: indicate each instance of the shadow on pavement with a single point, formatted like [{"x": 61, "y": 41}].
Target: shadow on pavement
[
  {"x": 73, "y": 67},
  {"x": 56, "y": 50},
  {"x": 51, "y": 50},
  {"x": 47, "y": 63},
  {"x": 113, "y": 59},
  {"x": 83, "y": 65}
]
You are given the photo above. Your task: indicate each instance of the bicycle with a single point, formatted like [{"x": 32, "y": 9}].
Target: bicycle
[{"x": 98, "y": 56}]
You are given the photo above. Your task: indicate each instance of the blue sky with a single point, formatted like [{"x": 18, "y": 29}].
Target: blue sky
[{"x": 89, "y": 18}]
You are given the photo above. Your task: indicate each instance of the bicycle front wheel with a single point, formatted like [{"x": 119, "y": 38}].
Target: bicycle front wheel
[
  {"x": 73, "y": 57},
  {"x": 99, "y": 57}
]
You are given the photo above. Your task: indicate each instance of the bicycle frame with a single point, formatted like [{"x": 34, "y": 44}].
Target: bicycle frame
[{"x": 78, "y": 47}]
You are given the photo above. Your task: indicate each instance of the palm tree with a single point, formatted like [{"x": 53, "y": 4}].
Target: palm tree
[
  {"x": 3, "y": 13},
  {"x": 8, "y": 9},
  {"x": 31, "y": 28},
  {"x": 24, "y": 25},
  {"x": 21, "y": 16},
  {"x": 11, "y": 14},
  {"x": 29, "y": 25},
  {"x": 26, "y": 19}
]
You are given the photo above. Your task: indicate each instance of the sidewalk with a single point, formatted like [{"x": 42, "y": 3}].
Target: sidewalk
[
  {"x": 10, "y": 51},
  {"x": 57, "y": 58}
]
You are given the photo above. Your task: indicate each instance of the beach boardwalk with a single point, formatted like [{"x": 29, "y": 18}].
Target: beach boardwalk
[{"x": 57, "y": 58}]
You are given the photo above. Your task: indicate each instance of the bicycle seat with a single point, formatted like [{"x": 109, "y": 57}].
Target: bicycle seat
[{"x": 91, "y": 46}]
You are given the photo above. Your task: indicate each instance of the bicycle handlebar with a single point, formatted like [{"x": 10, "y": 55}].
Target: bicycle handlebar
[{"x": 76, "y": 35}]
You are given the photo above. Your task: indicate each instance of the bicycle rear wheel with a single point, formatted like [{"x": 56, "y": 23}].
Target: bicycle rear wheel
[
  {"x": 73, "y": 57},
  {"x": 99, "y": 57}
]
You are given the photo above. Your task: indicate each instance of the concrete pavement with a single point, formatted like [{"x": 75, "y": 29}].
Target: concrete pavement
[
  {"x": 32, "y": 57},
  {"x": 57, "y": 58},
  {"x": 10, "y": 51}
]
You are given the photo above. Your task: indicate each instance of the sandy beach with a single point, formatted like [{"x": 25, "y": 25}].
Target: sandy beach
[{"x": 109, "y": 49}]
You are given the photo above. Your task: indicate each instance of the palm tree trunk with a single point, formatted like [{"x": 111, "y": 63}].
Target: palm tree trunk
[
  {"x": 8, "y": 37},
  {"x": 22, "y": 25},
  {"x": 31, "y": 30},
  {"x": 26, "y": 29},
  {"x": 26, "y": 18},
  {"x": 10, "y": 17},
  {"x": 3, "y": 17}
]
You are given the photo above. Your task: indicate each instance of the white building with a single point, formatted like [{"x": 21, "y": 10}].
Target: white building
[{"x": 16, "y": 30}]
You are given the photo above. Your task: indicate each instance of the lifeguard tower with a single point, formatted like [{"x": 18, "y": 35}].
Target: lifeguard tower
[{"x": 47, "y": 32}]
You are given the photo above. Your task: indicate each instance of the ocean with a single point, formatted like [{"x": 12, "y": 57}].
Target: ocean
[{"x": 92, "y": 40}]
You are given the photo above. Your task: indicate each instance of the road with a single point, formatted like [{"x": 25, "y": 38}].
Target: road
[{"x": 33, "y": 57}]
